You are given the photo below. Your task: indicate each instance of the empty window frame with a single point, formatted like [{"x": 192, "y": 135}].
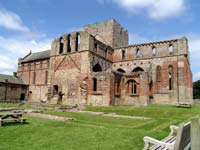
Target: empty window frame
[
  {"x": 153, "y": 51},
  {"x": 94, "y": 84},
  {"x": 69, "y": 43},
  {"x": 97, "y": 68},
  {"x": 132, "y": 87},
  {"x": 138, "y": 52},
  {"x": 61, "y": 45},
  {"x": 171, "y": 49},
  {"x": 123, "y": 54},
  {"x": 78, "y": 41},
  {"x": 170, "y": 78}
]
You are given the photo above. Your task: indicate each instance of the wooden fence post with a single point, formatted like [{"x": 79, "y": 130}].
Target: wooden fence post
[{"x": 195, "y": 133}]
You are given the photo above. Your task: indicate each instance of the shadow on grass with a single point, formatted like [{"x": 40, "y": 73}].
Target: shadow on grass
[{"x": 14, "y": 124}]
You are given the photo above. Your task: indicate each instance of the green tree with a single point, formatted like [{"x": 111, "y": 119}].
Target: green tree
[{"x": 196, "y": 89}]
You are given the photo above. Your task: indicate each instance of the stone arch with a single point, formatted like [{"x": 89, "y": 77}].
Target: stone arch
[
  {"x": 138, "y": 69},
  {"x": 97, "y": 68},
  {"x": 121, "y": 70}
]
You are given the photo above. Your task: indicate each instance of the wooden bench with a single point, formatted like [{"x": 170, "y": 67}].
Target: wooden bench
[
  {"x": 20, "y": 120},
  {"x": 179, "y": 142}
]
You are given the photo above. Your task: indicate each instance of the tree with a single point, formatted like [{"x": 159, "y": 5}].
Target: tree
[{"x": 196, "y": 89}]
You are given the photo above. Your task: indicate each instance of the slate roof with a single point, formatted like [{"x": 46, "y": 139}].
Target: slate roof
[
  {"x": 11, "y": 79},
  {"x": 37, "y": 56}
]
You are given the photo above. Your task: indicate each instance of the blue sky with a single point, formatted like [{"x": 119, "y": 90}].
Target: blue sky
[{"x": 32, "y": 24}]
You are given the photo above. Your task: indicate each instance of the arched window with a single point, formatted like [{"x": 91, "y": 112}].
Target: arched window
[
  {"x": 138, "y": 53},
  {"x": 69, "y": 43},
  {"x": 170, "y": 78},
  {"x": 34, "y": 77},
  {"x": 61, "y": 45},
  {"x": 94, "y": 84},
  {"x": 46, "y": 77},
  {"x": 158, "y": 74},
  {"x": 95, "y": 47},
  {"x": 131, "y": 87},
  {"x": 97, "y": 68},
  {"x": 171, "y": 49},
  {"x": 123, "y": 54},
  {"x": 78, "y": 41},
  {"x": 153, "y": 51}
]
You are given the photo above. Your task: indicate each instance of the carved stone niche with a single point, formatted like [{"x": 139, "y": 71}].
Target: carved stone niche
[{"x": 72, "y": 89}]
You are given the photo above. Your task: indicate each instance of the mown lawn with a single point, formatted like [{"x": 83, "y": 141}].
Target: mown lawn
[{"x": 94, "y": 132}]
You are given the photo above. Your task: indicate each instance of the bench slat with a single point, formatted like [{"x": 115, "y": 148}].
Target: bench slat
[
  {"x": 181, "y": 141},
  {"x": 166, "y": 140}
]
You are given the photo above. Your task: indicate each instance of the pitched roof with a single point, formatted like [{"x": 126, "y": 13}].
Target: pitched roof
[
  {"x": 11, "y": 79},
  {"x": 37, "y": 56}
]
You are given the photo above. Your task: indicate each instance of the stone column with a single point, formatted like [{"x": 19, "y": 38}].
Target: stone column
[
  {"x": 195, "y": 133},
  {"x": 65, "y": 44},
  {"x": 73, "y": 46}
]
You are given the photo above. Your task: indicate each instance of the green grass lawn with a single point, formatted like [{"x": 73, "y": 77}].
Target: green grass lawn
[{"x": 90, "y": 132}]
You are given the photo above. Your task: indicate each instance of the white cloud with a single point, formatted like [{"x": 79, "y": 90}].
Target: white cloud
[
  {"x": 196, "y": 76},
  {"x": 22, "y": 46},
  {"x": 155, "y": 9},
  {"x": 167, "y": 8},
  {"x": 12, "y": 21},
  {"x": 135, "y": 38},
  {"x": 11, "y": 49},
  {"x": 194, "y": 48},
  {"x": 14, "y": 47}
]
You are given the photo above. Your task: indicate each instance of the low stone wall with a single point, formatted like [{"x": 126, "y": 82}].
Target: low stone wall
[{"x": 197, "y": 101}]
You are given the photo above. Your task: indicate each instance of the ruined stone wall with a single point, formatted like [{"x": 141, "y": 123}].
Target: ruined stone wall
[
  {"x": 69, "y": 68},
  {"x": 37, "y": 90},
  {"x": 109, "y": 32},
  {"x": 100, "y": 97},
  {"x": 72, "y": 71},
  {"x": 101, "y": 52},
  {"x": 157, "y": 54},
  {"x": 38, "y": 93},
  {"x": 12, "y": 91}
]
